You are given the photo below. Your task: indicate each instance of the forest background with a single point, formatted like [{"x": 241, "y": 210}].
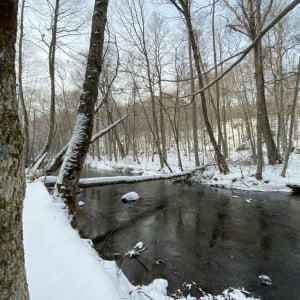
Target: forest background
[{"x": 156, "y": 73}]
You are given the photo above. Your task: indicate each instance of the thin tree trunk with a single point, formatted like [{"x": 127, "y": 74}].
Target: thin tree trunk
[
  {"x": 293, "y": 112},
  {"x": 51, "y": 67},
  {"x": 155, "y": 143},
  {"x": 194, "y": 110},
  {"x": 259, "y": 133},
  {"x": 97, "y": 146},
  {"x": 273, "y": 155},
  {"x": 222, "y": 165},
  {"x": 115, "y": 133},
  {"x": 221, "y": 141},
  {"x": 248, "y": 123},
  {"x": 20, "y": 83},
  {"x": 187, "y": 134},
  {"x": 129, "y": 141}
]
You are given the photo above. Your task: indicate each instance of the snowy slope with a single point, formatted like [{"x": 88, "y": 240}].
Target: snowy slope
[{"x": 59, "y": 265}]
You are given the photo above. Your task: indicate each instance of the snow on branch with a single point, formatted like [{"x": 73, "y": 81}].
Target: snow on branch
[{"x": 57, "y": 161}]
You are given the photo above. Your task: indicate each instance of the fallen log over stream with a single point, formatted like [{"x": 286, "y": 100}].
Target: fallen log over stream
[{"x": 50, "y": 181}]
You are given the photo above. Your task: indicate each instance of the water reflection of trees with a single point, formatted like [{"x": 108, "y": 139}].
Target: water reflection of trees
[{"x": 199, "y": 234}]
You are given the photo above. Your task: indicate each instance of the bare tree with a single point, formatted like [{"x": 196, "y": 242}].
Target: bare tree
[
  {"x": 20, "y": 83},
  {"x": 183, "y": 7},
  {"x": 65, "y": 22},
  {"x": 216, "y": 105},
  {"x": 293, "y": 112},
  {"x": 12, "y": 187},
  {"x": 51, "y": 67},
  {"x": 134, "y": 22},
  {"x": 251, "y": 21},
  {"x": 194, "y": 108},
  {"x": 70, "y": 171}
]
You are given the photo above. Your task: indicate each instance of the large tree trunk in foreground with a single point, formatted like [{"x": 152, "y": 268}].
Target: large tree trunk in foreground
[
  {"x": 79, "y": 144},
  {"x": 12, "y": 272}
]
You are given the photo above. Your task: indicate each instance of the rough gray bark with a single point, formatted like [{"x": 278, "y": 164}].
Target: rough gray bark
[
  {"x": 13, "y": 284},
  {"x": 69, "y": 174}
]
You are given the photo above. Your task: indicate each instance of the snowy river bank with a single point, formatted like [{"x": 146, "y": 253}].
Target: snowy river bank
[
  {"x": 217, "y": 238},
  {"x": 56, "y": 257}
]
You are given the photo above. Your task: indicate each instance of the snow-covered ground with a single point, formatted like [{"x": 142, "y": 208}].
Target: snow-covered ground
[
  {"x": 62, "y": 266},
  {"x": 241, "y": 174}
]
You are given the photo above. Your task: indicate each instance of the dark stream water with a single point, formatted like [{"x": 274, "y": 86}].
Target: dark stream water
[{"x": 200, "y": 234}]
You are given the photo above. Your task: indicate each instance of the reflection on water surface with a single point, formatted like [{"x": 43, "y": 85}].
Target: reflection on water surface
[{"x": 198, "y": 234}]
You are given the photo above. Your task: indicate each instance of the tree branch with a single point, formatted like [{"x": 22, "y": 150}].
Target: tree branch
[
  {"x": 57, "y": 161},
  {"x": 244, "y": 53}
]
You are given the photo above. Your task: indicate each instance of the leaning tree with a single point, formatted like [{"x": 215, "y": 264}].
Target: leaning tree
[{"x": 79, "y": 144}]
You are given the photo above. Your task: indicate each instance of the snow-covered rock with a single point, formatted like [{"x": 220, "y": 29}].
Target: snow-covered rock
[
  {"x": 265, "y": 280},
  {"x": 136, "y": 250},
  {"x": 130, "y": 197},
  {"x": 81, "y": 203},
  {"x": 139, "y": 246}
]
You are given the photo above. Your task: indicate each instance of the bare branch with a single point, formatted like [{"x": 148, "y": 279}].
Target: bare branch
[{"x": 244, "y": 53}]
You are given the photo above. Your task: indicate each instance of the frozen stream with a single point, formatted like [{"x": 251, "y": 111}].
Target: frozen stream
[{"x": 216, "y": 238}]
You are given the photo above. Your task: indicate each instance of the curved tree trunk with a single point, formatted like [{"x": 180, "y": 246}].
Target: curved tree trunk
[
  {"x": 70, "y": 172},
  {"x": 12, "y": 272},
  {"x": 184, "y": 9},
  {"x": 51, "y": 67}
]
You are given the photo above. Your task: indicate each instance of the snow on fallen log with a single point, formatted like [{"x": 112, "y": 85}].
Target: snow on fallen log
[{"x": 50, "y": 181}]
